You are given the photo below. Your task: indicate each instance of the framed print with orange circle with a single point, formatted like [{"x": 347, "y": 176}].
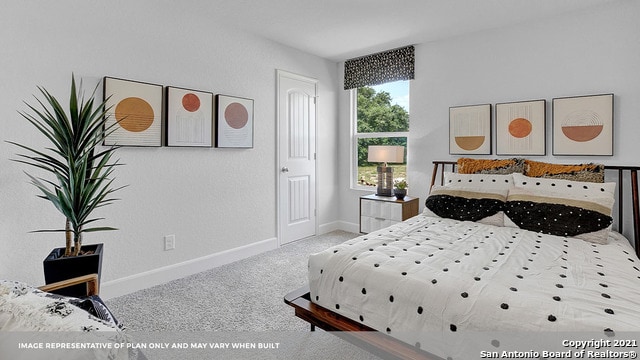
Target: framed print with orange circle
[
  {"x": 189, "y": 117},
  {"x": 583, "y": 125},
  {"x": 470, "y": 129},
  {"x": 137, "y": 109},
  {"x": 520, "y": 128}
]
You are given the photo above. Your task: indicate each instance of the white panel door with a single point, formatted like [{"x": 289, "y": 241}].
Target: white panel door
[{"x": 296, "y": 157}]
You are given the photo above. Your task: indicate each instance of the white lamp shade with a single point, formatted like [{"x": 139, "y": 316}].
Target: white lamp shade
[{"x": 386, "y": 154}]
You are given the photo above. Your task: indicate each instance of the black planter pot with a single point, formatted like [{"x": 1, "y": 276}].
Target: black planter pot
[
  {"x": 400, "y": 193},
  {"x": 58, "y": 268}
]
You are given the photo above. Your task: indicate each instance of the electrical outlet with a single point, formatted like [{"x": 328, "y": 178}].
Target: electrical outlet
[{"x": 169, "y": 242}]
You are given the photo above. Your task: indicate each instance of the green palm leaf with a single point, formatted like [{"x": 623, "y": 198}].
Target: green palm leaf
[{"x": 80, "y": 170}]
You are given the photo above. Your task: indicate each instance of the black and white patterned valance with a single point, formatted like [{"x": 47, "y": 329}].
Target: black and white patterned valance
[{"x": 387, "y": 66}]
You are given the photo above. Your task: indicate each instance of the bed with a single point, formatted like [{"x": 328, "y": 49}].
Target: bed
[{"x": 492, "y": 254}]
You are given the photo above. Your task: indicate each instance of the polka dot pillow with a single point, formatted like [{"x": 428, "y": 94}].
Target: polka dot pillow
[
  {"x": 561, "y": 207},
  {"x": 489, "y": 181},
  {"x": 479, "y": 204}
]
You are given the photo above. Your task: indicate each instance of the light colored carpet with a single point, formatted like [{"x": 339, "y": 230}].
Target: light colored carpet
[{"x": 243, "y": 299}]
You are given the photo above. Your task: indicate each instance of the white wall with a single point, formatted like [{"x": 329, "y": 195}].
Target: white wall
[
  {"x": 213, "y": 200},
  {"x": 590, "y": 52}
]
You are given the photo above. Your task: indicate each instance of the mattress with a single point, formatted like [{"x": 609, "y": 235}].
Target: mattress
[{"x": 431, "y": 275}]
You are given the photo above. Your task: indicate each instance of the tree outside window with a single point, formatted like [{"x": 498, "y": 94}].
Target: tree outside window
[{"x": 382, "y": 118}]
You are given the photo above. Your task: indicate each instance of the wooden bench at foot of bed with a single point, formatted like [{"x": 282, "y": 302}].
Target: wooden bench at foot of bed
[{"x": 360, "y": 335}]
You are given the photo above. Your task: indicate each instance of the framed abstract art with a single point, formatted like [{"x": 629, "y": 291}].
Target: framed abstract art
[
  {"x": 583, "y": 125},
  {"x": 470, "y": 129},
  {"x": 137, "y": 109},
  {"x": 234, "y": 122},
  {"x": 520, "y": 128},
  {"x": 189, "y": 117}
]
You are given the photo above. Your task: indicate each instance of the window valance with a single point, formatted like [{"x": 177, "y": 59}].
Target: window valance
[{"x": 379, "y": 68}]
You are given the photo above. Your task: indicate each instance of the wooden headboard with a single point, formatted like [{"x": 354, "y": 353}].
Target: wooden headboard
[{"x": 616, "y": 173}]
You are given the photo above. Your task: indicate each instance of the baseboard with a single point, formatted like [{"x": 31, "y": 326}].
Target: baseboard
[
  {"x": 147, "y": 279},
  {"x": 338, "y": 225},
  {"x": 129, "y": 284},
  {"x": 350, "y": 227},
  {"x": 329, "y": 227}
]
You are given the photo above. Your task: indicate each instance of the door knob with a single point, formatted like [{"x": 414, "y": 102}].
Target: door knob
[{"x": 285, "y": 169}]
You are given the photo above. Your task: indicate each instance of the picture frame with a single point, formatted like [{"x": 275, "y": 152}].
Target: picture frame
[
  {"x": 470, "y": 130},
  {"x": 521, "y": 128},
  {"x": 234, "y": 122},
  {"x": 583, "y": 125},
  {"x": 189, "y": 115},
  {"x": 137, "y": 108}
]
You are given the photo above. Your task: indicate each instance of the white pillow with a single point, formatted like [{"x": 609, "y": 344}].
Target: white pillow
[
  {"x": 579, "y": 189},
  {"x": 489, "y": 181}
]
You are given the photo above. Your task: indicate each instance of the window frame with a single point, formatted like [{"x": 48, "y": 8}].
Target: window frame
[{"x": 355, "y": 136}]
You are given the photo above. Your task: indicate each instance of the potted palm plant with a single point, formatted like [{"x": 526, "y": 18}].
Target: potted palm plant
[{"x": 79, "y": 176}]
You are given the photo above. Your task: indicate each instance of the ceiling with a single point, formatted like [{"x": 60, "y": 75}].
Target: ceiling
[{"x": 343, "y": 29}]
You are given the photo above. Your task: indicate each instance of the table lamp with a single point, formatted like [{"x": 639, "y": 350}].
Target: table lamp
[{"x": 385, "y": 154}]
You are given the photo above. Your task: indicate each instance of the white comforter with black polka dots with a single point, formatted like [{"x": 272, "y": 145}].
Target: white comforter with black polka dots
[{"x": 429, "y": 276}]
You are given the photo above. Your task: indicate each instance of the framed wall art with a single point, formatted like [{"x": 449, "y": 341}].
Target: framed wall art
[
  {"x": 583, "y": 125},
  {"x": 470, "y": 129},
  {"x": 137, "y": 109},
  {"x": 189, "y": 117},
  {"x": 520, "y": 128},
  {"x": 234, "y": 122}
]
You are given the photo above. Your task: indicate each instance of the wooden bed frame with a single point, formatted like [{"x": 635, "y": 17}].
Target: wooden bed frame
[{"x": 388, "y": 347}]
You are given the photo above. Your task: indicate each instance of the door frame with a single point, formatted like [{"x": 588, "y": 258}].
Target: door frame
[{"x": 279, "y": 74}]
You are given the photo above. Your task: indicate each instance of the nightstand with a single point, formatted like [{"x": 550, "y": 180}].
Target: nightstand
[{"x": 377, "y": 212}]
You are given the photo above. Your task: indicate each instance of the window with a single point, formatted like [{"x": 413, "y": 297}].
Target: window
[{"x": 380, "y": 116}]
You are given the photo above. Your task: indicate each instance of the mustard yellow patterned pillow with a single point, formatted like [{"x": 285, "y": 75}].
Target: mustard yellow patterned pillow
[
  {"x": 576, "y": 172},
  {"x": 489, "y": 166}
]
